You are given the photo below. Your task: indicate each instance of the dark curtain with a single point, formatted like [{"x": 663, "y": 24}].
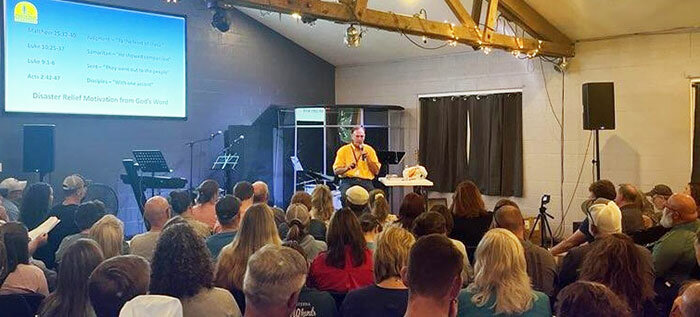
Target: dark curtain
[
  {"x": 494, "y": 130},
  {"x": 695, "y": 174},
  {"x": 443, "y": 141},
  {"x": 496, "y": 144}
]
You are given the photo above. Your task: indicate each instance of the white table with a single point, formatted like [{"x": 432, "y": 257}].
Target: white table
[{"x": 419, "y": 183}]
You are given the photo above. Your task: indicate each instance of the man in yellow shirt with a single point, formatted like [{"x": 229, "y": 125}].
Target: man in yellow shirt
[{"x": 356, "y": 163}]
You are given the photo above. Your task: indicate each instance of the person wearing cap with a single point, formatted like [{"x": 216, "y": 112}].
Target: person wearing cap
[
  {"x": 11, "y": 190},
  {"x": 357, "y": 198},
  {"x": 74, "y": 191},
  {"x": 227, "y": 211},
  {"x": 356, "y": 163},
  {"x": 659, "y": 195},
  {"x": 674, "y": 253},
  {"x": 605, "y": 218},
  {"x": 156, "y": 211}
]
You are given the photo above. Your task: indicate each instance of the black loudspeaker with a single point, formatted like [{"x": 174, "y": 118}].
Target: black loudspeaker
[
  {"x": 39, "y": 148},
  {"x": 598, "y": 106}
]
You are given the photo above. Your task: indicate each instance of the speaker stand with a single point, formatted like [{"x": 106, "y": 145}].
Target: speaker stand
[{"x": 596, "y": 159}]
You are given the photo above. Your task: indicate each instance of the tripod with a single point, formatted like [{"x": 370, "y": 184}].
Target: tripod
[{"x": 545, "y": 228}]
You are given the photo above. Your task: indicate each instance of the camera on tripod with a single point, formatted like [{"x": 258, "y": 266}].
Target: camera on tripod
[
  {"x": 546, "y": 236},
  {"x": 545, "y": 200}
]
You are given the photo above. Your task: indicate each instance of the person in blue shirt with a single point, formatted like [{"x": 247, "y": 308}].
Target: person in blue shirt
[
  {"x": 227, "y": 215},
  {"x": 501, "y": 285}
]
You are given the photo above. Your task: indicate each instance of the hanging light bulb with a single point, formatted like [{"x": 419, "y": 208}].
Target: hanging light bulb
[
  {"x": 486, "y": 49},
  {"x": 353, "y": 36},
  {"x": 425, "y": 39},
  {"x": 515, "y": 53}
]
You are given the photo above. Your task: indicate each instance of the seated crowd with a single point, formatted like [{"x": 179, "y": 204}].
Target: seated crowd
[{"x": 235, "y": 255}]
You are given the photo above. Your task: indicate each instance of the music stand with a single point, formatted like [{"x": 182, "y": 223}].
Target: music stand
[
  {"x": 226, "y": 162},
  {"x": 390, "y": 157},
  {"x": 151, "y": 161}
]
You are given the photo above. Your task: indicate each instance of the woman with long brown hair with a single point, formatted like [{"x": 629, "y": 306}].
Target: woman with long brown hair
[
  {"x": 257, "y": 229},
  {"x": 616, "y": 262},
  {"x": 471, "y": 219},
  {"x": 71, "y": 295},
  {"x": 411, "y": 207},
  {"x": 347, "y": 264}
]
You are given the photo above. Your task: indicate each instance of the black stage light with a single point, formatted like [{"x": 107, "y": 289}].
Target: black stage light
[{"x": 220, "y": 20}]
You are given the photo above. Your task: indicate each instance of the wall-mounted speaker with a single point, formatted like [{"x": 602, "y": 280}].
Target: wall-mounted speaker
[
  {"x": 39, "y": 148},
  {"x": 598, "y": 106}
]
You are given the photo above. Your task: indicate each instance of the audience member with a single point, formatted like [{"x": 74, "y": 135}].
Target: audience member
[
  {"x": 11, "y": 190},
  {"x": 693, "y": 190},
  {"x": 659, "y": 195},
  {"x": 71, "y": 295},
  {"x": 243, "y": 190},
  {"x": 207, "y": 196},
  {"x": 357, "y": 199},
  {"x": 673, "y": 253},
  {"x": 181, "y": 203},
  {"x": 434, "y": 223},
  {"x": 321, "y": 211},
  {"x": 411, "y": 207},
  {"x": 471, "y": 220},
  {"x": 22, "y": 277},
  {"x": 347, "y": 264},
  {"x": 501, "y": 284},
  {"x": 388, "y": 296},
  {"x": 599, "y": 189},
  {"x": 3, "y": 259},
  {"x": 182, "y": 268},
  {"x": 504, "y": 202},
  {"x": 257, "y": 229},
  {"x": 541, "y": 267},
  {"x": 261, "y": 194},
  {"x": 371, "y": 227},
  {"x": 584, "y": 298},
  {"x": 87, "y": 214},
  {"x": 605, "y": 219},
  {"x": 36, "y": 201},
  {"x": 379, "y": 207},
  {"x": 629, "y": 200},
  {"x": 616, "y": 262},
  {"x": 298, "y": 220},
  {"x": 109, "y": 234},
  {"x": 302, "y": 197},
  {"x": 156, "y": 211},
  {"x": 273, "y": 281},
  {"x": 689, "y": 301},
  {"x": 447, "y": 215},
  {"x": 152, "y": 305},
  {"x": 116, "y": 281},
  {"x": 227, "y": 211},
  {"x": 432, "y": 277},
  {"x": 312, "y": 302},
  {"x": 74, "y": 191}
]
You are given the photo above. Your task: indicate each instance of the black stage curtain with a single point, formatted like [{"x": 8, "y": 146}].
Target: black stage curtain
[
  {"x": 443, "y": 141},
  {"x": 493, "y": 133},
  {"x": 695, "y": 174}
]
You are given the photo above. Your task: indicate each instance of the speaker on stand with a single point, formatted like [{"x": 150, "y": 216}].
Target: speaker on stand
[
  {"x": 598, "y": 113},
  {"x": 38, "y": 149}
]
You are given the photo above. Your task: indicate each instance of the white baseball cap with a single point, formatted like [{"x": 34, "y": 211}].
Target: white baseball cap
[
  {"x": 12, "y": 184},
  {"x": 606, "y": 217}
]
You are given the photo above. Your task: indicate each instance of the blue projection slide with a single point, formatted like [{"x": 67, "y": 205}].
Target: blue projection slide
[{"x": 78, "y": 58}]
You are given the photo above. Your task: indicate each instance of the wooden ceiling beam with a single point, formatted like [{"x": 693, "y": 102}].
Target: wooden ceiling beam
[
  {"x": 476, "y": 11},
  {"x": 394, "y": 22},
  {"x": 534, "y": 23},
  {"x": 461, "y": 13}
]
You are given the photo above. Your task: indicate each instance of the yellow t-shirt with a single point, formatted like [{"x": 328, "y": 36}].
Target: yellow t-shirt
[{"x": 348, "y": 154}]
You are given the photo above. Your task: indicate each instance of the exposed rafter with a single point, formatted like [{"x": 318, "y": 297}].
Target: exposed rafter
[{"x": 356, "y": 11}]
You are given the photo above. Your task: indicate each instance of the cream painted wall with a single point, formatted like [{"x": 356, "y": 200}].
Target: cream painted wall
[{"x": 652, "y": 86}]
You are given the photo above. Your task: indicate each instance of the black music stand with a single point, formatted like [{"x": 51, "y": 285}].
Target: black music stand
[
  {"x": 390, "y": 157},
  {"x": 151, "y": 161}
]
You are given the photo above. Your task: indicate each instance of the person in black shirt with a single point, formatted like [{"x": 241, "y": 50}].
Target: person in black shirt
[
  {"x": 312, "y": 302},
  {"x": 74, "y": 191},
  {"x": 389, "y": 296},
  {"x": 471, "y": 219}
]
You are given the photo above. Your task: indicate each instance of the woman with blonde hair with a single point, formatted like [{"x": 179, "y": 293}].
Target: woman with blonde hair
[
  {"x": 256, "y": 230},
  {"x": 108, "y": 232},
  {"x": 321, "y": 211},
  {"x": 501, "y": 284},
  {"x": 298, "y": 220},
  {"x": 388, "y": 296}
]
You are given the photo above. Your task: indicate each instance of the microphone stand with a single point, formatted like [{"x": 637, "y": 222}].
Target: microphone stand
[{"x": 191, "y": 146}]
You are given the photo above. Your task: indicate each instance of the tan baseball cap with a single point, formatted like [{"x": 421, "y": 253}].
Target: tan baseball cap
[
  {"x": 73, "y": 182},
  {"x": 12, "y": 184}
]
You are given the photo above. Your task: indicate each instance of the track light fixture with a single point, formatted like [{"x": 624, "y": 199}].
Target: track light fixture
[{"x": 220, "y": 21}]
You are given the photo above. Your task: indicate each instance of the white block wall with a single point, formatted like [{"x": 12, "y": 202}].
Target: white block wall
[{"x": 651, "y": 144}]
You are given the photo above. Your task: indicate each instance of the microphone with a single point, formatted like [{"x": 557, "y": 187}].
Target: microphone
[
  {"x": 240, "y": 137},
  {"x": 213, "y": 135}
]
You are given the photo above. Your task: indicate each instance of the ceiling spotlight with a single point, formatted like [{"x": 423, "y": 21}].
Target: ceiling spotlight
[
  {"x": 171, "y": 1},
  {"x": 353, "y": 36},
  {"x": 308, "y": 20},
  {"x": 561, "y": 65},
  {"x": 220, "y": 21}
]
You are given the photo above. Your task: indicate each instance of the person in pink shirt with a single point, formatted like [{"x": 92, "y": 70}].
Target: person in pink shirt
[{"x": 23, "y": 278}]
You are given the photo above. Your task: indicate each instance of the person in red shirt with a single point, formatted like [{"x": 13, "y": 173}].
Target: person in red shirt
[{"x": 347, "y": 265}]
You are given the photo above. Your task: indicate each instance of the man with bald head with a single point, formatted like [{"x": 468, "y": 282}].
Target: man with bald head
[
  {"x": 674, "y": 253},
  {"x": 540, "y": 263},
  {"x": 156, "y": 211},
  {"x": 261, "y": 195},
  {"x": 629, "y": 199}
]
